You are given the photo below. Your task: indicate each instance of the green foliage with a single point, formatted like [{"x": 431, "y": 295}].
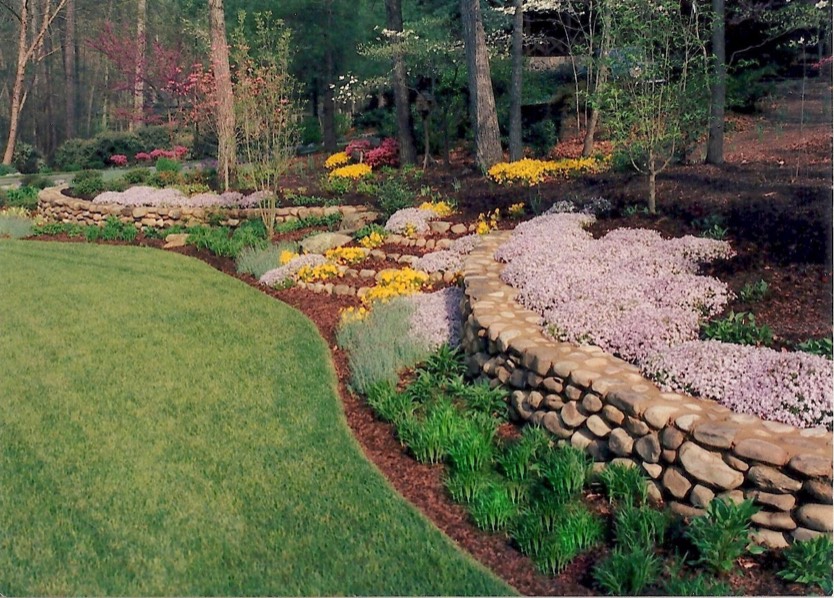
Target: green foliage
[
  {"x": 817, "y": 346},
  {"x": 624, "y": 485},
  {"x": 6, "y": 169},
  {"x": 465, "y": 485},
  {"x": 336, "y": 185},
  {"x": 541, "y": 137},
  {"x": 385, "y": 326},
  {"x": 113, "y": 230},
  {"x": 310, "y": 200},
  {"x": 639, "y": 526},
  {"x": 168, "y": 165},
  {"x": 747, "y": 83},
  {"x": 576, "y": 530},
  {"x": 472, "y": 445},
  {"x": 739, "y": 328},
  {"x": 388, "y": 404},
  {"x": 628, "y": 571},
  {"x": 368, "y": 229},
  {"x": 492, "y": 507},
  {"x": 518, "y": 459},
  {"x": 220, "y": 241},
  {"x": 165, "y": 178},
  {"x": 257, "y": 261},
  {"x": 331, "y": 222},
  {"x": 94, "y": 153},
  {"x": 809, "y": 562},
  {"x": 565, "y": 469},
  {"x": 393, "y": 194},
  {"x": 480, "y": 398},
  {"x": 695, "y": 585},
  {"x": 721, "y": 534},
  {"x": 26, "y": 158},
  {"x": 445, "y": 363},
  {"x": 152, "y": 137},
  {"x": 22, "y": 197},
  {"x": 14, "y": 227},
  {"x": 59, "y": 228},
  {"x": 87, "y": 183},
  {"x": 753, "y": 291},
  {"x": 431, "y": 437},
  {"x": 38, "y": 181}
]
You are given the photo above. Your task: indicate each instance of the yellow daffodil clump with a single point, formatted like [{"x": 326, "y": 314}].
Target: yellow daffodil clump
[
  {"x": 318, "y": 273},
  {"x": 516, "y": 210},
  {"x": 353, "y": 314},
  {"x": 336, "y": 160},
  {"x": 346, "y": 255},
  {"x": 488, "y": 222},
  {"x": 532, "y": 172},
  {"x": 372, "y": 241},
  {"x": 441, "y": 208},
  {"x": 286, "y": 256},
  {"x": 395, "y": 283},
  {"x": 354, "y": 171}
]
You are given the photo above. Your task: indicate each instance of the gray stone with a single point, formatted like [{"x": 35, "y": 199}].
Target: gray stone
[
  {"x": 553, "y": 402},
  {"x": 816, "y": 517},
  {"x": 581, "y": 439},
  {"x": 769, "y": 538},
  {"x": 761, "y": 450},
  {"x": 648, "y": 447},
  {"x": 553, "y": 385},
  {"x": 554, "y": 425},
  {"x": 675, "y": 482},
  {"x": 534, "y": 399},
  {"x": 613, "y": 415},
  {"x": 671, "y": 438},
  {"x": 715, "y": 435},
  {"x": 591, "y": 403},
  {"x": 534, "y": 380},
  {"x": 686, "y": 422},
  {"x": 701, "y": 496},
  {"x": 658, "y": 416},
  {"x": 653, "y": 470},
  {"x": 458, "y": 229},
  {"x": 175, "y": 240},
  {"x": 771, "y": 480},
  {"x": 803, "y": 534},
  {"x": 630, "y": 402},
  {"x": 636, "y": 427},
  {"x": 774, "y": 520},
  {"x": 811, "y": 466},
  {"x": 323, "y": 241},
  {"x": 781, "y": 502},
  {"x": 620, "y": 442},
  {"x": 571, "y": 416},
  {"x": 821, "y": 490},
  {"x": 684, "y": 510},
  {"x": 518, "y": 379},
  {"x": 597, "y": 426},
  {"x": 669, "y": 456},
  {"x": 518, "y": 401},
  {"x": 735, "y": 462},
  {"x": 440, "y": 227},
  {"x": 708, "y": 467}
]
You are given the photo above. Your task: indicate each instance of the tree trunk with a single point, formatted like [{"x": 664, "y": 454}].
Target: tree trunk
[
  {"x": 70, "y": 76},
  {"x": 394, "y": 22},
  {"x": 328, "y": 109},
  {"x": 17, "y": 88},
  {"x": 516, "y": 148},
  {"x": 139, "y": 74},
  {"x": 481, "y": 98},
  {"x": 601, "y": 77},
  {"x": 715, "y": 143},
  {"x": 227, "y": 147},
  {"x": 652, "y": 184}
]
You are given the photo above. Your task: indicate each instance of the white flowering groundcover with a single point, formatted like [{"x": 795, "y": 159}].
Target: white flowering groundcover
[
  {"x": 640, "y": 297},
  {"x": 143, "y": 196}
]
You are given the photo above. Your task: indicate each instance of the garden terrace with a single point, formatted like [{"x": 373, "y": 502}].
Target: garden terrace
[
  {"x": 55, "y": 206},
  {"x": 692, "y": 449}
]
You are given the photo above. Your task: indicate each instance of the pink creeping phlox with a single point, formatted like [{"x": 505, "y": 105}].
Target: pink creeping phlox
[
  {"x": 170, "y": 197},
  {"x": 417, "y": 218},
  {"x": 437, "y": 318},
  {"x": 447, "y": 260}
]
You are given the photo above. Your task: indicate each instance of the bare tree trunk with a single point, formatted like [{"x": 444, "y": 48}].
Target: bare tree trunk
[
  {"x": 601, "y": 77},
  {"x": 227, "y": 146},
  {"x": 516, "y": 148},
  {"x": 652, "y": 183},
  {"x": 481, "y": 98},
  {"x": 394, "y": 22},
  {"x": 70, "y": 78},
  {"x": 715, "y": 143},
  {"x": 328, "y": 109},
  {"x": 139, "y": 75}
]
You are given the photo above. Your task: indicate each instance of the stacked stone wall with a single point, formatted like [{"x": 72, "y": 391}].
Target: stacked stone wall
[
  {"x": 691, "y": 449},
  {"x": 54, "y": 206}
]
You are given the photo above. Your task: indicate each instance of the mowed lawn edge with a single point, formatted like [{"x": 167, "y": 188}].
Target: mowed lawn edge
[{"x": 167, "y": 430}]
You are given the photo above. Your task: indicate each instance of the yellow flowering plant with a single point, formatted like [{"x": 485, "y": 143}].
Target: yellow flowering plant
[
  {"x": 516, "y": 210},
  {"x": 286, "y": 256},
  {"x": 395, "y": 283},
  {"x": 336, "y": 160},
  {"x": 410, "y": 231},
  {"x": 317, "y": 273},
  {"x": 372, "y": 241},
  {"x": 532, "y": 172},
  {"x": 441, "y": 208},
  {"x": 488, "y": 222},
  {"x": 346, "y": 255},
  {"x": 353, "y": 171},
  {"x": 353, "y": 314}
]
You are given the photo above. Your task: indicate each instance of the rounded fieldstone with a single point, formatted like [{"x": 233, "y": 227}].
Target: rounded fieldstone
[
  {"x": 581, "y": 439},
  {"x": 636, "y": 427},
  {"x": 554, "y": 425},
  {"x": 573, "y": 393},
  {"x": 597, "y": 426},
  {"x": 669, "y": 456},
  {"x": 686, "y": 422},
  {"x": 518, "y": 401},
  {"x": 708, "y": 467},
  {"x": 655, "y": 493},
  {"x": 762, "y": 451},
  {"x": 774, "y": 520},
  {"x": 821, "y": 490},
  {"x": 715, "y": 435},
  {"x": 769, "y": 538},
  {"x": 659, "y": 415},
  {"x": 701, "y": 496},
  {"x": 654, "y": 470},
  {"x": 553, "y": 402},
  {"x": 648, "y": 447},
  {"x": 671, "y": 438},
  {"x": 803, "y": 534},
  {"x": 684, "y": 510},
  {"x": 675, "y": 482},
  {"x": 571, "y": 416},
  {"x": 598, "y": 449},
  {"x": 782, "y": 502},
  {"x": 613, "y": 415},
  {"x": 772, "y": 480},
  {"x": 816, "y": 517},
  {"x": 620, "y": 442},
  {"x": 734, "y": 496},
  {"x": 735, "y": 462},
  {"x": 811, "y": 466},
  {"x": 534, "y": 399},
  {"x": 591, "y": 403},
  {"x": 553, "y": 385}
]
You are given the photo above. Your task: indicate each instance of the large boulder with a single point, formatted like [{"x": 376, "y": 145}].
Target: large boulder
[{"x": 323, "y": 241}]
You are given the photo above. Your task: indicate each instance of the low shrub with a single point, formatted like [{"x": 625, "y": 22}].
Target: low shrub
[
  {"x": 113, "y": 230},
  {"x": 472, "y": 444},
  {"x": 465, "y": 485},
  {"x": 565, "y": 470},
  {"x": 753, "y": 291},
  {"x": 6, "y": 169},
  {"x": 738, "y": 328},
  {"x": 639, "y": 526},
  {"x": 388, "y": 404},
  {"x": 695, "y": 585},
  {"x": 137, "y": 176},
  {"x": 222, "y": 242},
  {"x": 518, "y": 460},
  {"x": 39, "y": 181},
  {"x": 492, "y": 508},
  {"x": 628, "y": 571},
  {"x": 720, "y": 536},
  {"x": 809, "y": 562},
  {"x": 817, "y": 346},
  {"x": 575, "y": 530},
  {"x": 59, "y": 228},
  {"x": 26, "y": 158},
  {"x": 387, "y": 154},
  {"x": 22, "y": 197},
  {"x": 87, "y": 183},
  {"x": 164, "y": 164},
  {"x": 393, "y": 194}
]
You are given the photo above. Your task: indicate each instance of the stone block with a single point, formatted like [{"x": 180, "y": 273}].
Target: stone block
[
  {"x": 816, "y": 517},
  {"x": 708, "y": 467},
  {"x": 771, "y": 480},
  {"x": 620, "y": 442},
  {"x": 612, "y": 415},
  {"x": 701, "y": 496},
  {"x": 648, "y": 447},
  {"x": 811, "y": 466},
  {"x": 762, "y": 451},
  {"x": 778, "y": 520},
  {"x": 715, "y": 435},
  {"x": 675, "y": 482}
]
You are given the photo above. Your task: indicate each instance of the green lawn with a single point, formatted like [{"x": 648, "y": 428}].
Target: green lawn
[{"x": 165, "y": 429}]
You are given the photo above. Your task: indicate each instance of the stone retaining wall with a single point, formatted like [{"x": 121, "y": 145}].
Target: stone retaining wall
[
  {"x": 692, "y": 449},
  {"x": 57, "y": 207}
]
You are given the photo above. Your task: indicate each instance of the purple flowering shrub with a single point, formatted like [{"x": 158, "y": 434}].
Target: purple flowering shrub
[
  {"x": 790, "y": 387},
  {"x": 447, "y": 260},
  {"x": 639, "y": 296},
  {"x": 436, "y": 318},
  {"x": 414, "y": 218},
  {"x": 171, "y": 197},
  {"x": 277, "y": 276}
]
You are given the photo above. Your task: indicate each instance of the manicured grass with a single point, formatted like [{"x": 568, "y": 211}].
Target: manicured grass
[{"x": 165, "y": 429}]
